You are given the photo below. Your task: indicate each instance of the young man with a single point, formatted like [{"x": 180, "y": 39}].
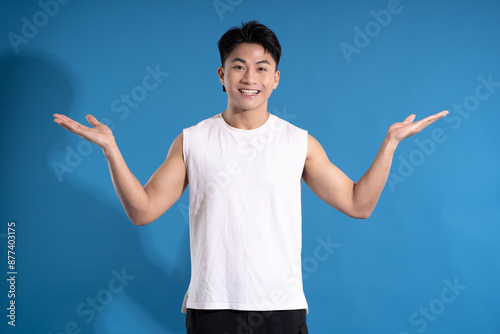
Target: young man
[{"x": 245, "y": 167}]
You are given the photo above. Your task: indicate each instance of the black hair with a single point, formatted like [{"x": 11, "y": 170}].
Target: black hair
[{"x": 249, "y": 32}]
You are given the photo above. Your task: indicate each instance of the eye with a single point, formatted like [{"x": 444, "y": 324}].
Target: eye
[
  {"x": 238, "y": 67},
  {"x": 262, "y": 69}
]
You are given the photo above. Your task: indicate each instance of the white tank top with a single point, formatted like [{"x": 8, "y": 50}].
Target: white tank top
[{"x": 245, "y": 217}]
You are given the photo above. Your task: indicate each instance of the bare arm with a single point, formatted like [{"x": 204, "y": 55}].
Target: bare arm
[
  {"x": 145, "y": 204},
  {"x": 358, "y": 200}
]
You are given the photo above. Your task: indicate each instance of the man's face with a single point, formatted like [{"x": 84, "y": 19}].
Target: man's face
[{"x": 250, "y": 75}]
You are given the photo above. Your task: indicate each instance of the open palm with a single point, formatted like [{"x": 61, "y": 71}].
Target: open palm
[
  {"x": 407, "y": 128},
  {"x": 100, "y": 134}
]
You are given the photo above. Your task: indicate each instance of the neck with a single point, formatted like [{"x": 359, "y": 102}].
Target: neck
[{"x": 246, "y": 119}]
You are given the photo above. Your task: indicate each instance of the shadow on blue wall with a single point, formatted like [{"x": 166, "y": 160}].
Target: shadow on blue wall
[{"x": 81, "y": 252}]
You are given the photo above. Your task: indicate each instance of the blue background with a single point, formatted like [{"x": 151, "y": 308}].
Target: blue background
[{"x": 437, "y": 221}]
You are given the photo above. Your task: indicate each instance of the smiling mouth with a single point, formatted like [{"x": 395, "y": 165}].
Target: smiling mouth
[{"x": 249, "y": 92}]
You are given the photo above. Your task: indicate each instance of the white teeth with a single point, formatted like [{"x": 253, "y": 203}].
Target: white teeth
[{"x": 249, "y": 92}]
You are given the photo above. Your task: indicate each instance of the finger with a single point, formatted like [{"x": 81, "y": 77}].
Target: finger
[
  {"x": 66, "y": 126},
  {"x": 434, "y": 117},
  {"x": 71, "y": 125},
  {"x": 409, "y": 119},
  {"x": 437, "y": 116},
  {"x": 92, "y": 120},
  {"x": 62, "y": 122},
  {"x": 63, "y": 118},
  {"x": 58, "y": 117},
  {"x": 431, "y": 119},
  {"x": 442, "y": 114}
]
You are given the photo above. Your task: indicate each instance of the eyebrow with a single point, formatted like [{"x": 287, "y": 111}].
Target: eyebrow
[{"x": 244, "y": 61}]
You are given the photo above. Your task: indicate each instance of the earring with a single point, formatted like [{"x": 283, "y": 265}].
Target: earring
[{"x": 223, "y": 88}]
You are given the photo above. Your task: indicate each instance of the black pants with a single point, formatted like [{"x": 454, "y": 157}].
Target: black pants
[{"x": 245, "y": 322}]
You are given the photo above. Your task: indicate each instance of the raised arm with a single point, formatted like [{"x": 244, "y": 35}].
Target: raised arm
[
  {"x": 358, "y": 200},
  {"x": 143, "y": 205}
]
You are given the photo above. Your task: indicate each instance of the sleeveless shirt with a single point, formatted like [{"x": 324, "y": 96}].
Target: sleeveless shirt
[{"x": 245, "y": 219}]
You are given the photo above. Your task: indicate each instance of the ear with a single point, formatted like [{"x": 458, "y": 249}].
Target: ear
[
  {"x": 276, "y": 79},
  {"x": 220, "y": 72}
]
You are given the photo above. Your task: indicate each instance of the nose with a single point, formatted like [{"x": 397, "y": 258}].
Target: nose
[{"x": 248, "y": 77}]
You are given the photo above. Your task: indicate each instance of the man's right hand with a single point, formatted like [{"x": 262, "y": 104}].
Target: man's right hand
[
  {"x": 143, "y": 205},
  {"x": 100, "y": 134}
]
